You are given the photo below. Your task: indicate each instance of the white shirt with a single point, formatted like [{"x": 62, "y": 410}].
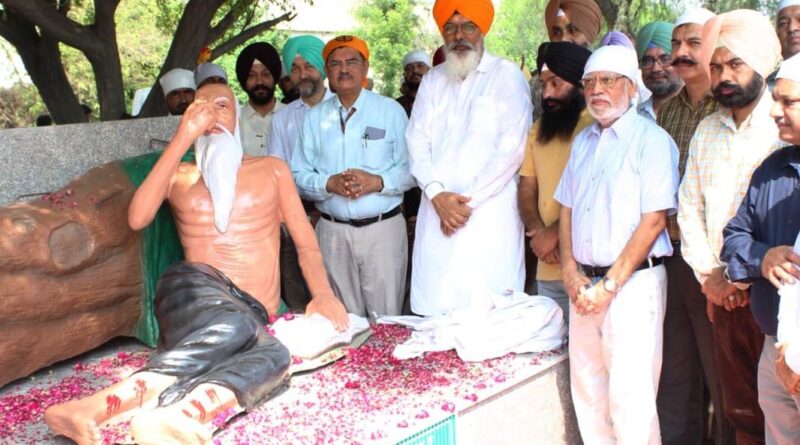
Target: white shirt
[
  {"x": 468, "y": 137},
  {"x": 613, "y": 176},
  {"x": 286, "y": 126},
  {"x": 789, "y": 319},
  {"x": 255, "y": 129}
]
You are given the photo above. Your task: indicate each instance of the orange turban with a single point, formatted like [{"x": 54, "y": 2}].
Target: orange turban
[
  {"x": 348, "y": 41},
  {"x": 584, "y": 14},
  {"x": 746, "y": 33},
  {"x": 479, "y": 12}
]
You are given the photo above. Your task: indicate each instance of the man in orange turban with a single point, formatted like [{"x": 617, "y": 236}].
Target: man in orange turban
[
  {"x": 576, "y": 21},
  {"x": 466, "y": 140}
]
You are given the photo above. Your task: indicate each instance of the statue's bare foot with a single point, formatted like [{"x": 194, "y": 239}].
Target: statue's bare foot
[
  {"x": 65, "y": 420},
  {"x": 168, "y": 426}
]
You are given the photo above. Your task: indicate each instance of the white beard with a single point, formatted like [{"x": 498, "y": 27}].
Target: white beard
[
  {"x": 611, "y": 113},
  {"x": 459, "y": 65},
  {"x": 219, "y": 157}
]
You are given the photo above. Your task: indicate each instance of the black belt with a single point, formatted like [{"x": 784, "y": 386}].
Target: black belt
[
  {"x": 364, "y": 221},
  {"x": 595, "y": 271}
]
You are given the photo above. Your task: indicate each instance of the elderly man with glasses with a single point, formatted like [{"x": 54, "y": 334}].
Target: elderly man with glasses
[
  {"x": 615, "y": 193},
  {"x": 653, "y": 47}
]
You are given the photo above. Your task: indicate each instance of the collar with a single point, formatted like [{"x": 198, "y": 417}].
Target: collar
[
  {"x": 488, "y": 61},
  {"x": 759, "y": 115},
  {"x": 357, "y": 104},
  {"x": 299, "y": 103},
  {"x": 684, "y": 97},
  {"x": 791, "y": 158},
  {"x": 622, "y": 125},
  {"x": 248, "y": 111}
]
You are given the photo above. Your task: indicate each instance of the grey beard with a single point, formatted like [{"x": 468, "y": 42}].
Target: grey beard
[{"x": 219, "y": 157}]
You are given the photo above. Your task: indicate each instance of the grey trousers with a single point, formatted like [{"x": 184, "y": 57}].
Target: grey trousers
[
  {"x": 689, "y": 364},
  {"x": 366, "y": 265},
  {"x": 781, "y": 409},
  {"x": 555, "y": 290}
]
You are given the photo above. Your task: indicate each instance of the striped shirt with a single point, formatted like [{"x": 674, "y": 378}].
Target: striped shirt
[
  {"x": 680, "y": 119},
  {"x": 720, "y": 162}
]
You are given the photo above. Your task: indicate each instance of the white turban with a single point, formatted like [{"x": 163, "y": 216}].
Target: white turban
[
  {"x": 787, "y": 3},
  {"x": 417, "y": 55},
  {"x": 621, "y": 60},
  {"x": 138, "y": 100},
  {"x": 746, "y": 33},
  {"x": 206, "y": 70},
  {"x": 697, "y": 16},
  {"x": 175, "y": 79},
  {"x": 790, "y": 69}
]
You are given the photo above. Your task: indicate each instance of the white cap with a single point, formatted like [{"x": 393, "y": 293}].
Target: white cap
[
  {"x": 206, "y": 70},
  {"x": 417, "y": 55},
  {"x": 621, "y": 60},
  {"x": 176, "y": 79},
  {"x": 138, "y": 100},
  {"x": 697, "y": 16},
  {"x": 786, "y": 3},
  {"x": 790, "y": 69}
]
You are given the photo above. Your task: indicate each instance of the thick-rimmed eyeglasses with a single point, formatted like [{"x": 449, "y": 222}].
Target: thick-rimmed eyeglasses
[
  {"x": 468, "y": 29},
  {"x": 603, "y": 81},
  {"x": 664, "y": 60}
]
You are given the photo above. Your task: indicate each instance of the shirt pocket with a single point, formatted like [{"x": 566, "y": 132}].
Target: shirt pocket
[{"x": 377, "y": 154}]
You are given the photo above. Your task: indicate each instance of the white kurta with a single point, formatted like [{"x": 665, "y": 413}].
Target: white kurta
[{"x": 468, "y": 137}]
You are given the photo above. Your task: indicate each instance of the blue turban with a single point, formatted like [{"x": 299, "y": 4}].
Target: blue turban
[{"x": 307, "y": 47}]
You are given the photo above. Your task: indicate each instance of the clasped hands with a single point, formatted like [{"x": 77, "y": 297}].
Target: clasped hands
[
  {"x": 721, "y": 292},
  {"x": 544, "y": 243},
  {"x": 587, "y": 298},
  {"x": 452, "y": 210},
  {"x": 354, "y": 183}
]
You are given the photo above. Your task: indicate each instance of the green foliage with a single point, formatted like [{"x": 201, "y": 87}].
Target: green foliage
[
  {"x": 518, "y": 30},
  {"x": 390, "y": 28}
]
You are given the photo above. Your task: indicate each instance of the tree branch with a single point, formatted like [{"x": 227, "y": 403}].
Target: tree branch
[
  {"x": 57, "y": 25},
  {"x": 218, "y": 30},
  {"x": 249, "y": 33}
]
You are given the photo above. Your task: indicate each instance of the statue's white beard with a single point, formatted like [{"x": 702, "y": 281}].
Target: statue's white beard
[
  {"x": 219, "y": 157},
  {"x": 459, "y": 65}
]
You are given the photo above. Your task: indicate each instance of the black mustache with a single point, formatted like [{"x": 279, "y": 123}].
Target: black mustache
[{"x": 683, "y": 61}]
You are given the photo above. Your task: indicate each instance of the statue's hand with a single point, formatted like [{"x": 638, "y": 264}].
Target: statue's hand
[
  {"x": 199, "y": 119},
  {"x": 331, "y": 308}
]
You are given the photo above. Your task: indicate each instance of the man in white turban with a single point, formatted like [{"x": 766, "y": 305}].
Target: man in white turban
[
  {"x": 615, "y": 194},
  {"x": 787, "y": 25},
  {"x": 178, "y": 87},
  {"x": 739, "y": 49}
]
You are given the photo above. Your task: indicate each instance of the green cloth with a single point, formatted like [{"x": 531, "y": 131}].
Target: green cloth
[
  {"x": 307, "y": 47},
  {"x": 161, "y": 246},
  {"x": 657, "y": 33}
]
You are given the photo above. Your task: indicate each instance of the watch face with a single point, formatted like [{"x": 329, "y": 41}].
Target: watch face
[{"x": 609, "y": 285}]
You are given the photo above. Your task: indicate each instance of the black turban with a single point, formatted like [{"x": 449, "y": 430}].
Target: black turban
[
  {"x": 265, "y": 53},
  {"x": 565, "y": 59}
]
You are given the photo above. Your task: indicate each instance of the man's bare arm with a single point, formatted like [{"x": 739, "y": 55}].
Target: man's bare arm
[
  {"x": 309, "y": 256},
  {"x": 638, "y": 247},
  {"x": 197, "y": 119},
  {"x": 528, "y": 203},
  {"x": 571, "y": 275}
]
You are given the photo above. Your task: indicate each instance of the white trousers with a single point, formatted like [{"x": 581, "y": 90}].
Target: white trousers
[
  {"x": 781, "y": 409},
  {"x": 615, "y": 363}
]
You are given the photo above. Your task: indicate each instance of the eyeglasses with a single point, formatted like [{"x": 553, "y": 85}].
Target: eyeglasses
[
  {"x": 468, "y": 29},
  {"x": 664, "y": 60},
  {"x": 604, "y": 81}
]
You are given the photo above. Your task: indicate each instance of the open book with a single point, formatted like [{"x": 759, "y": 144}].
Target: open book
[{"x": 311, "y": 337}]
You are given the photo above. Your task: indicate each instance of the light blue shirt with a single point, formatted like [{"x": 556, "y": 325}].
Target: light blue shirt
[
  {"x": 373, "y": 141},
  {"x": 613, "y": 176}
]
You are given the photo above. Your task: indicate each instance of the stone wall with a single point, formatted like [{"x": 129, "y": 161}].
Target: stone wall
[{"x": 41, "y": 159}]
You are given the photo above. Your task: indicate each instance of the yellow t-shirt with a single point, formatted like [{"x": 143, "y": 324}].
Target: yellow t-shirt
[{"x": 546, "y": 163}]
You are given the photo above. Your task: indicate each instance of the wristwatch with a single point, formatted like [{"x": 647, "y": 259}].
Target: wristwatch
[{"x": 610, "y": 285}]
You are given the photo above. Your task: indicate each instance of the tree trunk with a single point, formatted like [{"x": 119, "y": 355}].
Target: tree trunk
[
  {"x": 106, "y": 64},
  {"x": 610, "y": 11}
]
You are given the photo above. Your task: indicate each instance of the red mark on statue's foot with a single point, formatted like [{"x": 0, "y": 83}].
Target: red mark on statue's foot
[
  {"x": 200, "y": 409},
  {"x": 186, "y": 413},
  {"x": 141, "y": 388},
  {"x": 112, "y": 404},
  {"x": 212, "y": 395}
]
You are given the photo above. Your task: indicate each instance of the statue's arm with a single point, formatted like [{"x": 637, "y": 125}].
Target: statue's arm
[
  {"x": 308, "y": 253},
  {"x": 156, "y": 187}
]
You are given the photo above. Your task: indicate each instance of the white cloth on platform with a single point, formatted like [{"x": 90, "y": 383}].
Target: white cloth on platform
[
  {"x": 308, "y": 337},
  {"x": 500, "y": 324},
  {"x": 468, "y": 137},
  {"x": 789, "y": 319}
]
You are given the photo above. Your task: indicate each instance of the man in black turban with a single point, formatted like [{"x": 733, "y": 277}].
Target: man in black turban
[
  {"x": 560, "y": 68},
  {"x": 258, "y": 69}
]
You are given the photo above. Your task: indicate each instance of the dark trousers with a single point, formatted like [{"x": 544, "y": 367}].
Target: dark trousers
[
  {"x": 213, "y": 332},
  {"x": 689, "y": 365},
  {"x": 294, "y": 290},
  {"x": 738, "y": 342}
]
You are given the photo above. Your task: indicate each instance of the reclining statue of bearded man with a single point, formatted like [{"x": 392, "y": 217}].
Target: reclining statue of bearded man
[{"x": 214, "y": 355}]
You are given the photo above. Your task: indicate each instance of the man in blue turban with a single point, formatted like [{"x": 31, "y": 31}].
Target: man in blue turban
[
  {"x": 654, "y": 47},
  {"x": 302, "y": 59}
]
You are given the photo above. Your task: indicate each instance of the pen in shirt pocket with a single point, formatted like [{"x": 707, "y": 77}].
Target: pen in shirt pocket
[{"x": 364, "y": 140}]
